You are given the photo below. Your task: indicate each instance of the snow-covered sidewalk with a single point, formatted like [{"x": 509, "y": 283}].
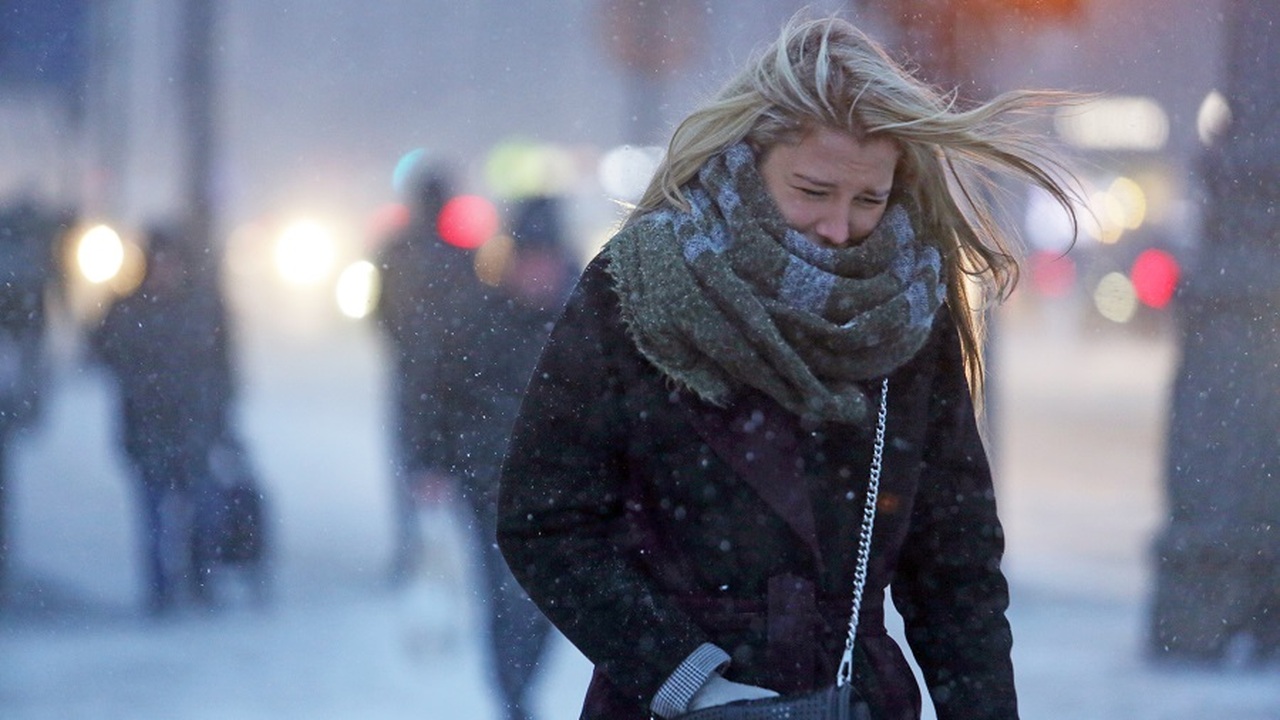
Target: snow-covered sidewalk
[{"x": 1077, "y": 428}]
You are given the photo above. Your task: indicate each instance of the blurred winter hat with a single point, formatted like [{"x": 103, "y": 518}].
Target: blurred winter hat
[
  {"x": 425, "y": 180},
  {"x": 430, "y": 188},
  {"x": 170, "y": 255},
  {"x": 537, "y": 223},
  {"x": 169, "y": 237}
]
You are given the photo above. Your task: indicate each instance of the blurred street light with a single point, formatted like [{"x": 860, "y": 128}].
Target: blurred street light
[
  {"x": 1115, "y": 123},
  {"x": 305, "y": 252},
  {"x": 357, "y": 290},
  {"x": 99, "y": 254},
  {"x": 625, "y": 171}
]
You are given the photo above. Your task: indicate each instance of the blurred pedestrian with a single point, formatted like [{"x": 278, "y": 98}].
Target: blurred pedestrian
[
  {"x": 481, "y": 384},
  {"x": 783, "y": 326},
  {"x": 425, "y": 282},
  {"x": 166, "y": 346},
  {"x": 29, "y": 233}
]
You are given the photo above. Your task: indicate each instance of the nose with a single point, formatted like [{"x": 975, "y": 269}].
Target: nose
[{"x": 833, "y": 227}]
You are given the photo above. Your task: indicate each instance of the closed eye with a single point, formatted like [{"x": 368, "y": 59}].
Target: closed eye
[{"x": 812, "y": 192}]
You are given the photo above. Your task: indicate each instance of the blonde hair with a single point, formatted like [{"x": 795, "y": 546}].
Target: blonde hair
[{"x": 826, "y": 72}]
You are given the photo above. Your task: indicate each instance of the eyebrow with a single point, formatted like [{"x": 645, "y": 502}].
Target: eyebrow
[
  {"x": 825, "y": 184},
  {"x": 814, "y": 181}
]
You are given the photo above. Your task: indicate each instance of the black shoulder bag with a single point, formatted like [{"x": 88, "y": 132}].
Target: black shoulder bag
[{"x": 838, "y": 701}]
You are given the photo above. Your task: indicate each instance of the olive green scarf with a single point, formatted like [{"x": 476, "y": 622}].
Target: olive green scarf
[{"x": 726, "y": 294}]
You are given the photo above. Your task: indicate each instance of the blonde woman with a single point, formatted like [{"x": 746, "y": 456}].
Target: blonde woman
[{"x": 683, "y": 494}]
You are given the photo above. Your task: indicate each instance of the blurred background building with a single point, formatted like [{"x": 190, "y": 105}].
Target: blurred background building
[{"x": 310, "y": 106}]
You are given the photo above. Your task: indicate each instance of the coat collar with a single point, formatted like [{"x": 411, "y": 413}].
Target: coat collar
[{"x": 758, "y": 439}]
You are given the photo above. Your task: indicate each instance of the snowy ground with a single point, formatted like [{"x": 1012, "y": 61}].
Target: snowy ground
[{"x": 1078, "y": 428}]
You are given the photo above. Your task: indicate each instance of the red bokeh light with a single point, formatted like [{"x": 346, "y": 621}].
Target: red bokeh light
[
  {"x": 1052, "y": 274},
  {"x": 1155, "y": 277},
  {"x": 388, "y": 219},
  {"x": 467, "y": 221}
]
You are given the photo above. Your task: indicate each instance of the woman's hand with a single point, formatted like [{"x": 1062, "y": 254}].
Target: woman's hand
[{"x": 718, "y": 691}]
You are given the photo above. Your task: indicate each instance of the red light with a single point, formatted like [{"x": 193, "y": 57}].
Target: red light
[
  {"x": 467, "y": 221},
  {"x": 1155, "y": 277},
  {"x": 387, "y": 219},
  {"x": 1052, "y": 274}
]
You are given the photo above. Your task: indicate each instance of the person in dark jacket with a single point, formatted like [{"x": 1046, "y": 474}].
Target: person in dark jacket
[
  {"x": 29, "y": 233},
  {"x": 481, "y": 381},
  {"x": 426, "y": 283},
  {"x": 166, "y": 346},
  {"x": 683, "y": 492}
]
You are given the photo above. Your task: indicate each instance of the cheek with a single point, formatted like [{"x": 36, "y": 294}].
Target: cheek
[
  {"x": 862, "y": 223},
  {"x": 797, "y": 215}
]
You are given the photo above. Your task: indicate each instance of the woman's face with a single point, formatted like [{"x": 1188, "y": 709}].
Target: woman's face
[{"x": 830, "y": 186}]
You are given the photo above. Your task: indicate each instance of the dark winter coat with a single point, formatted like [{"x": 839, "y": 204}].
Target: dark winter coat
[
  {"x": 479, "y": 383},
  {"x": 168, "y": 352},
  {"x": 427, "y": 286},
  {"x": 645, "y": 522}
]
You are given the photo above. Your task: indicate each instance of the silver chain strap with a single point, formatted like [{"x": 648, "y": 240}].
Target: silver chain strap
[{"x": 845, "y": 675}]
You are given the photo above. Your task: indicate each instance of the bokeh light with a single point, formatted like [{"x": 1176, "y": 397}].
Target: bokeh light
[
  {"x": 1115, "y": 123},
  {"x": 1048, "y": 227},
  {"x": 305, "y": 253},
  {"x": 406, "y": 166},
  {"x": 519, "y": 168},
  {"x": 387, "y": 219},
  {"x": 1052, "y": 274},
  {"x": 467, "y": 221},
  {"x": 493, "y": 259},
  {"x": 1121, "y": 207},
  {"x": 1213, "y": 117},
  {"x": 357, "y": 290},
  {"x": 100, "y": 254},
  {"x": 1155, "y": 277},
  {"x": 1110, "y": 217},
  {"x": 625, "y": 171},
  {"x": 1130, "y": 202},
  {"x": 1114, "y": 298}
]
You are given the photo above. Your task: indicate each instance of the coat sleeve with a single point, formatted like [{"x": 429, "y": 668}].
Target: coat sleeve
[
  {"x": 948, "y": 585},
  {"x": 563, "y": 502}
]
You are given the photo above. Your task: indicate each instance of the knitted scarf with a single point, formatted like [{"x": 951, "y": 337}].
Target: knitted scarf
[{"x": 726, "y": 294}]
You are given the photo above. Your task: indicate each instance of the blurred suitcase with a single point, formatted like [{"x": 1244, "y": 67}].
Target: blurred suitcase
[
  {"x": 239, "y": 526},
  {"x": 241, "y": 533}
]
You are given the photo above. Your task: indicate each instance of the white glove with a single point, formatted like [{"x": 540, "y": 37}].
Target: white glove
[{"x": 718, "y": 691}]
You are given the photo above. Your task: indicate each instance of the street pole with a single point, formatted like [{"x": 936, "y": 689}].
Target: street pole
[
  {"x": 108, "y": 96},
  {"x": 1217, "y": 559},
  {"x": 650, "y": 39},
  {"x": 199, "y": 124}
]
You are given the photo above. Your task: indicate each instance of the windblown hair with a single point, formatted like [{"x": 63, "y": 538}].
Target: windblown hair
[{"x": 826, "y": 72}]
